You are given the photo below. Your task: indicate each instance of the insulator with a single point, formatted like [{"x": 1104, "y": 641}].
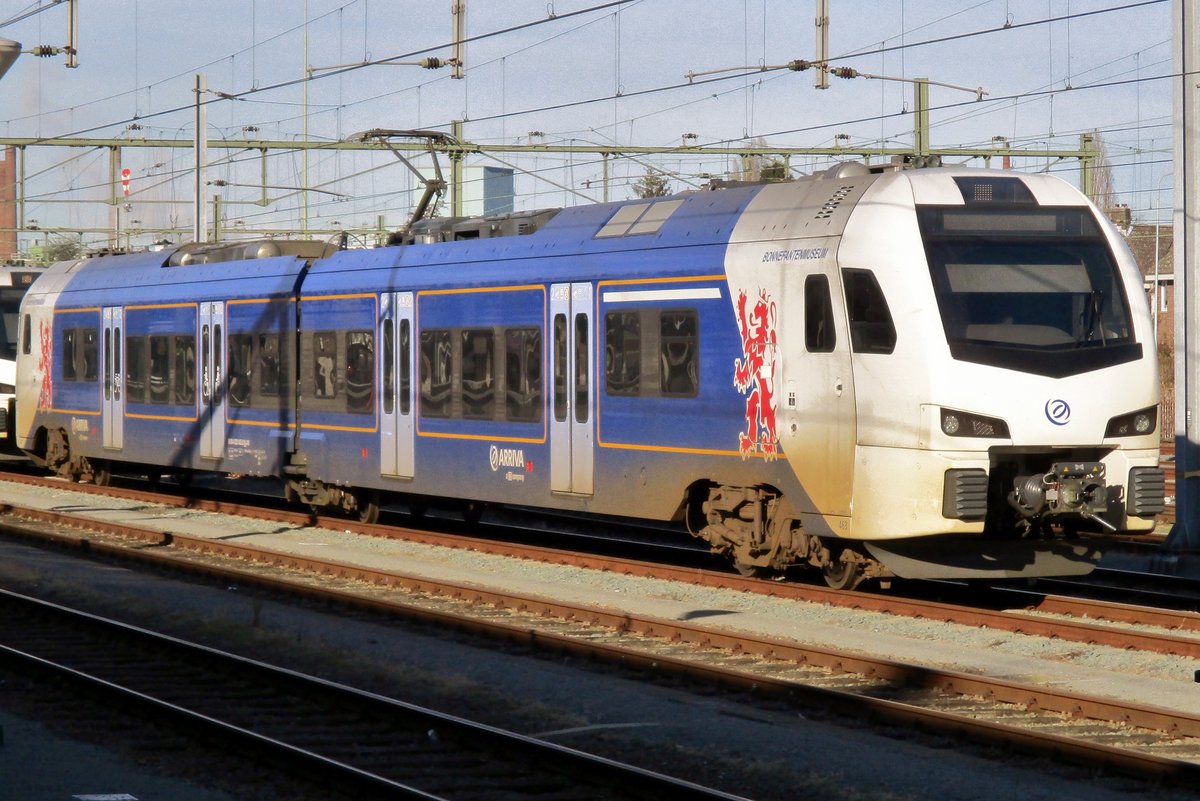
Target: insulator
[
  {"x": 432, "y": 63},
  {"x": 45, "y": 51},
  {"x": 844, "y": 72}
]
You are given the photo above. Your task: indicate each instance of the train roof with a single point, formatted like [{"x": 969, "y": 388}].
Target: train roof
[{"x": 675, "y": 228}]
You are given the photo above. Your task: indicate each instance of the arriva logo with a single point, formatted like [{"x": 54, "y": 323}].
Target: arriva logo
[
  {"x": 1058, "y": 411},
  {"x": 506, "y": 457}
]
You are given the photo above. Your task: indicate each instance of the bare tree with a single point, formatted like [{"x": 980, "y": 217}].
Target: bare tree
[
  {"x": 1104, "y": 193},
  {"x": 63, "y": 248}
]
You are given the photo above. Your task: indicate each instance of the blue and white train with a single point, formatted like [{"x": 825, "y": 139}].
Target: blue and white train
[{"x": 930, "y": 373}]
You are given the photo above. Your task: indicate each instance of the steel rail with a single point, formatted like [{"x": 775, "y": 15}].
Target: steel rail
[
  {"x": 530, "y": 608},
  {"x": 568, "y": 763},
  {"x": 1066, "y": 626}
]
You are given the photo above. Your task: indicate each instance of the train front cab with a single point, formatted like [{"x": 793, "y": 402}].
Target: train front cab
[{"x": 1037, "y": 431}]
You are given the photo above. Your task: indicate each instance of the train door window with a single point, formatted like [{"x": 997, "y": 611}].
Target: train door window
[
  {"x": 360, "y": 371},
  {"x": 581, "y": 368},
  {"x": 160, "y": 369},
  {"x": 389, "y": 366},
  {"x": 478, "y": 377},
  {"x": 135, "y": 369},
  {"x": 116, "y": 363},
  {"x": 560, "y": 367},
  {"x": 270, "y": 365},
  {"x": 184, "y": 379},
  {"x": 27, "y": 336},
  {"x": 871, "y": 327},
  {"x": 89, "y": 340},
  {"x": 679, "y": 375},
  {"x": 108, "y": 365},
  {"x": 819, "y": 336},
  {"x": 241, "y": 358},
  {"x": 523, "y": 374},
  {"x": 324, "y": 364},
  {"x": 436, "y": 372},
  {"x": 68, "y": 355},
  {"x": 405, "y": 366},
  {"x": 622, "y": 353}
]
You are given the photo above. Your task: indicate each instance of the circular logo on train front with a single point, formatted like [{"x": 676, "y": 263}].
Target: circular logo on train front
[{"x": 1058, "y": 411}]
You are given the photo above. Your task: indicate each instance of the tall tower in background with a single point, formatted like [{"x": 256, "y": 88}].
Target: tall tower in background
[{"x": 8, "y": 204}]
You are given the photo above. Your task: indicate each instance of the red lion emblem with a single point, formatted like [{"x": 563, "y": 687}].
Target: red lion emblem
[
  {"x": 754, "y": 375},
  {"x": 45, "y": 365}
]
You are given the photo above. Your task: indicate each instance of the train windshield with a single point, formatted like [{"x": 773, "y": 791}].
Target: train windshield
[
  {"x": 1029, "y": 289},
  {"x": 10, "y": 305}
]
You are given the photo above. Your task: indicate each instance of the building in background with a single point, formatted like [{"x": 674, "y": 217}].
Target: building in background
[
  {"x": 487, "y": 190},
  {"x": 8, "y": 204}
]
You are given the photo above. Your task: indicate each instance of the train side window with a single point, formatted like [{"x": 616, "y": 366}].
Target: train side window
[
  {"x": 679, "y": 376},
  {"x": 241, "y": 357},
  {"x": 436, "y": 372},
  {"x": 324, "y": 364},
  {"x": 819, "y": 336},
  {"x": 27, "y": 336},
  {"x": 478, "y": 377},
  {"x": 523, "y": 374},
  {"x": 581, "y": 368},
  {"x": 360, "y": 372},
  {"x": 135, "y": 369},
  {"x": 405, "y": 366},
  {"x": 91, "y": 353},
  {"x": 622, "y": 353},
  {"x": 68, "y": 354},
  {"x": 160, "y": 369},
  {"x": 560, "y": 367},
  {"x": 184, "y": 380},
  {"x": 871, "y": 327},
  {"x": 270, "y": 365},
  {"x": 389, "y": 366}
]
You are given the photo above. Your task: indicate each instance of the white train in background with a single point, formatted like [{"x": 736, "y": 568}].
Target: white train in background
[{"x": 15, "y": 280}]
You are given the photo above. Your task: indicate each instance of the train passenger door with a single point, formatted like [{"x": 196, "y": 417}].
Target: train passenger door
[
  {"x": 396, "y": 428},
  {"x": 113, "y": 407},
  {"x": 820, "y": 396},
  {"x": 212, "y": 384},
  {"x": 572, "y": 395}
]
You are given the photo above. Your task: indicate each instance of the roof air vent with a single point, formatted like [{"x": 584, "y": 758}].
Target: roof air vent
[{"x": 832, "y": 204}]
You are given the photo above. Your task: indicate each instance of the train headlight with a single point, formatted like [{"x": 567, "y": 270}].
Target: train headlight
[
  {"x": 1134, "y": 424},
  {"x": 965, "y": 424}
]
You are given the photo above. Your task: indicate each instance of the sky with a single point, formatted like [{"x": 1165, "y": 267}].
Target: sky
[{"x": 559, "y": 72}]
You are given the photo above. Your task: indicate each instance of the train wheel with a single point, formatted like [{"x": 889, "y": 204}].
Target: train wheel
[
  {"x": 749, "y": 571},
  {"x": 472, "y": 512},
  {"x": 367, "y": 504},
  {"x": 101, "y": 474},
  {"x": 842, "y": 573}
]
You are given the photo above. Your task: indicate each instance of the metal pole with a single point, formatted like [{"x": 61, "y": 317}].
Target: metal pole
[
  {"x": 921, "y": 117},
  {"x": 822, "y": 55},
  {"x": 200, "y": 225},
  {"x": 456, "y": 171},
  {"x": 458, "y": 10},
  {"x": 1185, "y": 534},
  {"x": 73, "y": 35}
]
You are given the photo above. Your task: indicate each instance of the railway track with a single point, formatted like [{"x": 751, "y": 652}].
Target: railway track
[
  {"x": 1065, "y": 617},
  {"x": 1134, "y": 739},
  {"x": 369, "y": 745}
]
